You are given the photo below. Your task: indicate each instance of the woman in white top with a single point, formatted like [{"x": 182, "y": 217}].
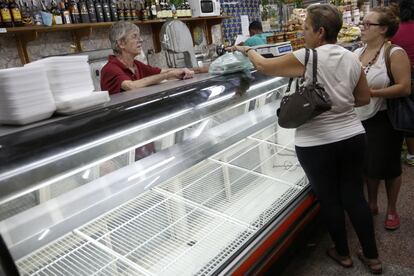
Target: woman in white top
[
  {"x": 331, "y": 146},
  {"x": 384, "y": 143}
]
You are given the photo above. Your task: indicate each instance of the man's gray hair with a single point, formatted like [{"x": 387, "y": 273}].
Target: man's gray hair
[{"x": 119, "y": 31}]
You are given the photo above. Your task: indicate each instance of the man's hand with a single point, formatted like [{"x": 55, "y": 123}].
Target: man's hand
[{"x": 181, "y": 73}]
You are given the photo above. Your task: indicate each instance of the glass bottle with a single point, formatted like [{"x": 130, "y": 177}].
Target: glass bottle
[
  {"x": 120, "y": 11},
  {"x": 26, "y": 14},
  {"x": 83, "y": 10},
  {"x": 107, "y": 11},
  {"x": 91, "y": 11},
  {"x": 99, "y": 11},
  {"x": 36, "y": 15},
  {"x": 64, "y": 9},
  {"x": 15, "y": 13},
  {"x": 6, "y": 14},
  {"x": 74, "y": 11}
]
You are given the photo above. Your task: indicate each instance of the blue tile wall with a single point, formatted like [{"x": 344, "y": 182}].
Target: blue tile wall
[{"x": 232, "y": 27}]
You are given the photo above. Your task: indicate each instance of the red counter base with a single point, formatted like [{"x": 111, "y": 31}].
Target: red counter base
[{"x": 279, "y": 240}]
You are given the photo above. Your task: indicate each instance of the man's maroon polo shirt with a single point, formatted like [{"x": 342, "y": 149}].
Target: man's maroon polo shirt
[{"x": 115, "y": 72}]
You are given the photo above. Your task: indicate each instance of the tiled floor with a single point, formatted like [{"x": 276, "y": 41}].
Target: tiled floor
[{"x": 396, "y": 248}]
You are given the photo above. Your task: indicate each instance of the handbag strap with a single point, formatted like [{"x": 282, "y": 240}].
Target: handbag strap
[
  {"x": 387, "y": 57},
  {"x": 306, "y": 65},
  {"x": 315, "y": 67}
]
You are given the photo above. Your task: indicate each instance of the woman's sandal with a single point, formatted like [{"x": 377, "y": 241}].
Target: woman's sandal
[
  {"x": 344, "y": 261},
  {"x": 374, "y": 265}
]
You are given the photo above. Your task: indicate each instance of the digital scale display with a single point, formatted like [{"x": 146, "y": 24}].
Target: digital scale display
[{"x": 284, "y": 49}]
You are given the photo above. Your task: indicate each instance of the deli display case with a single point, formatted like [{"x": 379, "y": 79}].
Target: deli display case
[{"x": 194, "y": 178}]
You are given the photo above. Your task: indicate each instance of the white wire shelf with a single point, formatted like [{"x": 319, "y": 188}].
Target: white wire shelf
[
  {"x": 156, "y": 232},
  {"x": 189, "y": 225},
  {"x": 73, "y": 255}
]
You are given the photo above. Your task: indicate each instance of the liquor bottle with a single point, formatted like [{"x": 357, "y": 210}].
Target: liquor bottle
[
  {"x": 120, "y": 11},
  {"x": 162, "y": 9},
  {"x": 74, "y": 11},
  {"x": 64, "y": 10},
  {"x": 90, "y": 5},
  {"x": 6, "y": 14},
  {"x": 107, "y": 11},
  {"x": 153, "y": 10},
  {"x": 83, "y": 10},
  {"x": 134, "y": 15},
  {"x": 56, "y": 14},
  {"x": 37, "y": 16},
  {"x": 99, "y": 11},
  {"x": 138, "y": 9},
  {"x": 26, "y": 14},
  {"x": 15, "y": 13},
  {"x": 127, "y": 11},
  {"x": 158, "y": 8},
  {"x": 113, "y": 9},
  {"x": 144, "y": 12}
]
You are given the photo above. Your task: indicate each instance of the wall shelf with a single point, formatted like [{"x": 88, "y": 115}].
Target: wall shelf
[{"x": 24, "y": 35}]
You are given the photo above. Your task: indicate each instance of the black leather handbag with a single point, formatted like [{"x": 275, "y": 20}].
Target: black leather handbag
[
  {"x": 307, "y": 102},
  {"x": 400, "y": 110}
]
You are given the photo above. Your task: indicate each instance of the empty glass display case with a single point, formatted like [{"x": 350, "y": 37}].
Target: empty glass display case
[{"x": 196, "y": 179}]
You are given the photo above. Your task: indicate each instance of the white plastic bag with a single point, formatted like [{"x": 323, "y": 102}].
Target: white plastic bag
[{"x": 230, "y": 63}]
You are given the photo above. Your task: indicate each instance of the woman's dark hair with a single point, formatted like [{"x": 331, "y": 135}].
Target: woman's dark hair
[
  {"x": 389, "y": 19},
  {"x": 406, "y": 10},
  {"x": 327, "y": 17}
]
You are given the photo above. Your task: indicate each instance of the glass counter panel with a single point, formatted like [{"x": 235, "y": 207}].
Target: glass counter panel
[
  {"x": 277, "y": 135},
  {"x": 153, "y": 234},
  {"x": 238, "y": 194}
]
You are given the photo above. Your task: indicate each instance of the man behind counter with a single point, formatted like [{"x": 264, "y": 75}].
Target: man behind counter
[
  {"x": 123, "y": 72},
  {"x": 257, "y": 36}
]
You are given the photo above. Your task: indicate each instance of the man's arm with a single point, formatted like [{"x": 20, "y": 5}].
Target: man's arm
[{"x": 154, "y": 79}]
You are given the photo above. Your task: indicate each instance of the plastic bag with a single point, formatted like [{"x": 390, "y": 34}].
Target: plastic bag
[{"x": 230, "y": 63}]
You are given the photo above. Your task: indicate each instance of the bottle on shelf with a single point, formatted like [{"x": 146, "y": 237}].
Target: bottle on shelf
[
  {"x": 15, "y": 13},
  {"x": 83, "y": 10},
  {"x": 36, "y": 15},
  {"x": 90, "y": 5},
  {"x": 99, "y": 11},
  {"x": 127, "y": 11},
  {"x": 132, "y": 5},
  {"x": 6, "y": 16},
  {"x": 26, "y": 14},
  {"x": 120, "y": 11},
  {"x": 153, "y": 10},
  {"x": 158, "y": 8},
  {"x": 138, "y": 9},
  {"x": 144, "y": 11},
  {"x": 107, "y": 11},
  {"x": 64, "y": 10},
  {"x": 173, "y": 11},
  {"x": 56, "y": 14},
  {"x": 74, "y": 11},
  {"x": 1, "y": 22}
]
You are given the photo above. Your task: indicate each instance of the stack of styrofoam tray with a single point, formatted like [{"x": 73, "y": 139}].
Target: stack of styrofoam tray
[
  {"x": 25, "y": 95},
  {"x": 69, "y": 76}
]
